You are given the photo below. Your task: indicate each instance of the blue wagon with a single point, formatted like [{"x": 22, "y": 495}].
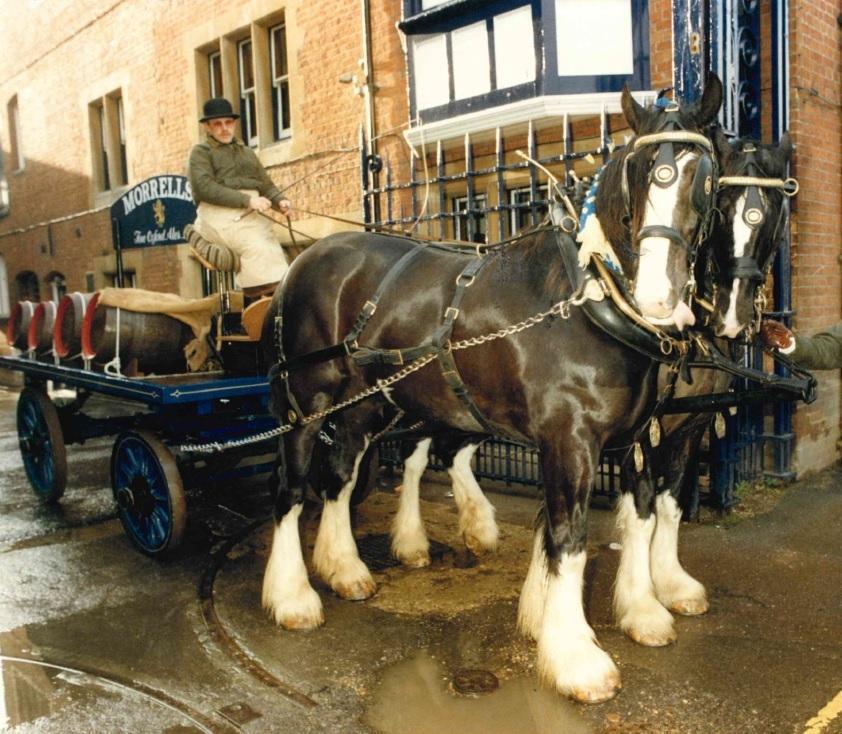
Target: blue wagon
[{"x": 162, "y": 440}]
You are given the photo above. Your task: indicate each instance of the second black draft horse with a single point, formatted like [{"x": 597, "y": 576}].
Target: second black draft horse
[
  {"x": 751, "y": 206},
  {"x": 561, "y": 383}
]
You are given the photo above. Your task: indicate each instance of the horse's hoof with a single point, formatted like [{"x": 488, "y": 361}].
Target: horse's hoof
[
  {"x": 481, "y": 545},
  {"x": 357, "y": 590},
  {"x": 599, "y": 694},
  {"x": 690, "y": 607},
  {"x": 652, "y": 638},
  {"x": 301, "y": 623},
  {"x": 303, "y": 613},
  {"x": 416, "y": 560}
]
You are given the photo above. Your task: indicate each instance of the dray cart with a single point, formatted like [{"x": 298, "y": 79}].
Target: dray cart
[{"x": 152, "y": 457}]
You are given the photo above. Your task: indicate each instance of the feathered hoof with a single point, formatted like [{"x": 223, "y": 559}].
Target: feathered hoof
[
  {"x": 585, "y": 673},
  {"x": 357, "y": 589},
  {"x": 304, "y": 612},
  {"x": 482, "y": 542},
  {"x": 690, "y": 607},
  {"x": 652, "y": 638},
  {"x": 649, "y": 624},
  {"x": 420, "y": 559}
]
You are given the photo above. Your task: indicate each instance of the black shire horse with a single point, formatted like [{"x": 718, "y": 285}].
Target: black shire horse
[
  {"x": 561, "y": 384},
  {"x": 743, "y": 242}
]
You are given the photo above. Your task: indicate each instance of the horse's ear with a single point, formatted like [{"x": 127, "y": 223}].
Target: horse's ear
[
  {"x": 711, "y": 101},
  {"x": 632, "y": 111},
  {"x": 721, "y": 144}
]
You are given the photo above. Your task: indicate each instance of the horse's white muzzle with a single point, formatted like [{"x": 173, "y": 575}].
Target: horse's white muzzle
[{"x": 662, "y": 314}]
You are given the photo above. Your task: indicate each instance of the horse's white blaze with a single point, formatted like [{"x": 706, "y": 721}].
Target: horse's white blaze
[
  {"x": 533, "y": 596},
  {"x": 731, "y": 325},
  {"x": 335, "y": 555},
  {"x": 674, "y": 587},
  {"x": 287, "y": 594},
  {"x": 654, "y": 289},
  {"x": 569, "y": 656},
  {"x": 409, "y": 541},
  {"x": 639, "y": 614},
  {"x": 476, "y": 513}
]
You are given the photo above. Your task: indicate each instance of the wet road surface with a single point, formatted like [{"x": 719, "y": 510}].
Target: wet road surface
[{"x": 95, "y": 637}]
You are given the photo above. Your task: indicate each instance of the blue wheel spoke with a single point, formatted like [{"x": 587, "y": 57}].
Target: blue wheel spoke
[{"x": 149, "y": 521}]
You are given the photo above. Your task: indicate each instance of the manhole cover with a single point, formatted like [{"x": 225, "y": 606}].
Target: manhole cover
[{"x": 468, "y": 681}]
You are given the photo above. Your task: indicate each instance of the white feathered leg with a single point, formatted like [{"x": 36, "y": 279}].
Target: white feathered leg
[
  {"x": 675, "y": 588},
  {"x": 569, "y": 657},
  {"x": 533, "y": 596},
  {"x": 476, "y": 513},
  {"x": 638, "y": 613},
  {"x": 409, "y": 540},
  {"x": 335, "y": 555},
  {"x": 287, "y": 594}
]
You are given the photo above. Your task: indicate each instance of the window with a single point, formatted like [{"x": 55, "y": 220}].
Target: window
[
  {"x": 520, "y": 201},
  {"x": 124, "y": 166},
  {"x": 470, "y": 225},
  {"x": 129, "y": 279},
  {"x": 4, "y": 187},
  {"x": 248, "y": 103},
  {"x": 250, "y": 66},
  {"x": 280, "y": 81},
  {"x": 5, "y": 309},
  {"x": 58, "y": 286},
  {"x": 466, "y": 55},
  {"x": 215, "y": 75},
  {"x": 14, "y": 134},
  {"x": 89, "y": 282},
  {"x": 102, "y": 146},
  {"x": 108, "y": 142},
  {"x": 575, "y": 49},
  {"x": 26, "y": 286}
]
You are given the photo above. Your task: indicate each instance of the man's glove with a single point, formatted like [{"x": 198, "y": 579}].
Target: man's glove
[{"x": 775, "y": 334}]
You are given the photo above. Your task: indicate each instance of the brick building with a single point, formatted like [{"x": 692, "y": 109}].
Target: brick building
[{"x": 335, "y": 98}]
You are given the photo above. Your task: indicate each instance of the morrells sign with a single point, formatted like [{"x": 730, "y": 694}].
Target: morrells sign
[{"x": 154, "y": 212}]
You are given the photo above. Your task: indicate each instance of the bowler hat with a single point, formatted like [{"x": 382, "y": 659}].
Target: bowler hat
[{"x": 217, "y": 107}]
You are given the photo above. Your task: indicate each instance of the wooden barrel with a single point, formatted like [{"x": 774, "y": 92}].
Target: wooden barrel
[
  {"x": 40, "y": 333},
  {"x": 155, "y": 340},
  {"x": 17, "y": 330},
  {"x": 67, "y": 331}
]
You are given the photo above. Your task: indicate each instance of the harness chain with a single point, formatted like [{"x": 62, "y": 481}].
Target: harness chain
[{"x": 562, "y": 309}]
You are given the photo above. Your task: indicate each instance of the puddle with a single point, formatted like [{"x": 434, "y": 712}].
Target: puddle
[
  {"x": 415, "y": 696},
  {"x": 40, "y": 697}
]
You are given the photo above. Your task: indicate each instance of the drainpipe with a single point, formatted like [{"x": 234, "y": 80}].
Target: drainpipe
[{"x": 368, "y": 88}]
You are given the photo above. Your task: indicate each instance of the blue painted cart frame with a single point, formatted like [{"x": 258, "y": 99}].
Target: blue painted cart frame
[{"x": 152, "y": 457}]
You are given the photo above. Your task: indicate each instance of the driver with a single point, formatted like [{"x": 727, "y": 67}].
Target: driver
[{"x": 230, "y": 187}]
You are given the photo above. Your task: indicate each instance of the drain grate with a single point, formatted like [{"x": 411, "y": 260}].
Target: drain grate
[{"x": 376, "y": 552}]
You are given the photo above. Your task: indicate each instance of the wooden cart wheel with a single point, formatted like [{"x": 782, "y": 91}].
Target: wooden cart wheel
[
  {"x": 42, "y": 444},
  {"x": 149, "y": 493}
]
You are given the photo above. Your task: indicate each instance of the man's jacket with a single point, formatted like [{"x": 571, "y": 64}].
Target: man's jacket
[
  {"x": 820, "y": 352},
  {"x": 218, "y": 170}
]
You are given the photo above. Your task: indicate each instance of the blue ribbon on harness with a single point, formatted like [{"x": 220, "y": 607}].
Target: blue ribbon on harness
[{"x": 589, "y": 210}]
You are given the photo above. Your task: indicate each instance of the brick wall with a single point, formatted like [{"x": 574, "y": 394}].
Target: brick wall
[
  {"x": 816, "y": 125},
  {"x": 88, "y": 48}
]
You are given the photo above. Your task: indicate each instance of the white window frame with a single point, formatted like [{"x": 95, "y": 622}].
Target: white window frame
[
  {"x": 215, "y": 62},
  {"x": 281, "y": 127},
  {"x": 248, "y": 125},
  {"x": 5, "y": 303},
  {"x": 121, "y": 127},
  {"x": 459, "y": 206},
  {"x": 514, "y": 214},
  {"x": 15, "y": 134}
]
